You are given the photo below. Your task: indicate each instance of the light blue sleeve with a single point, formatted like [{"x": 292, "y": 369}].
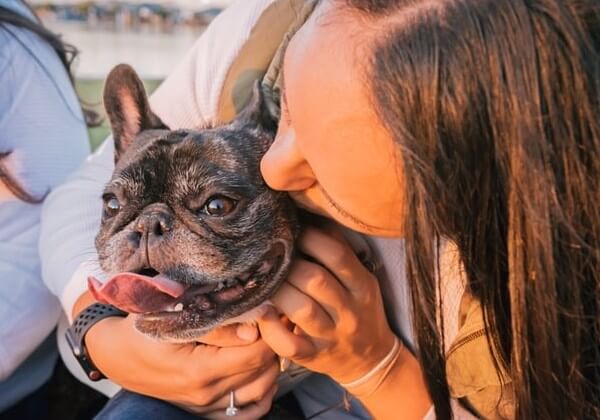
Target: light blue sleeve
[
  {"x": 40, "y": 118},
  {"x": 42, "y": 127}
]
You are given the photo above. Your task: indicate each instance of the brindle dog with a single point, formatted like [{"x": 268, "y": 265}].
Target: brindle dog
[{"x": 191, "y": 234}]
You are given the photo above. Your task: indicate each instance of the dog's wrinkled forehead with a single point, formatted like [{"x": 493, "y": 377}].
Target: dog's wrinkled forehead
[{"x": 181, "y": 163}]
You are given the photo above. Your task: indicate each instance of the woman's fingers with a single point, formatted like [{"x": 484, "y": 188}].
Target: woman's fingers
[
  {"x": 251, "y": 411},
  {"x": 198, "y": 375},
  {"x": 231, "y": 335},
  {"x": 211, "y": 361},
  {"x": 336, "y": 255},
  {"x": 257, "y": 389},
  {"x": 249, "y": 386},
  {"x": 283, "y": 341},
  {"x": 303, "y": 309},
  {"x": 318, "y": 283},
  {"x": 247, "y": 390}
]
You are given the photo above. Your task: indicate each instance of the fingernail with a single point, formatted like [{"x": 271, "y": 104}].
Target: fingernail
[
  {"x": 262, "y": 310},
  {"x": 247, "y": 332}
]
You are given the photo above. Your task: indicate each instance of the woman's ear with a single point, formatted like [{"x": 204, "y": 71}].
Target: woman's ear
[{"x": 127, "y": 107}]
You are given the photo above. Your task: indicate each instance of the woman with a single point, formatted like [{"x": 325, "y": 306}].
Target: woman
[
  {"x": 421, "y": 121},
  {"x": 482, "y": 131},
  {"x": 42, "y": 139}
]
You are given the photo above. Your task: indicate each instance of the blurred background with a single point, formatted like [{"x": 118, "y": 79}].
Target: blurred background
[{"x": 152, "y": 36}]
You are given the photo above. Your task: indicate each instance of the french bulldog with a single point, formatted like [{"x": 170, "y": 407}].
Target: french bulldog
[{"x": 191, "y": 236}]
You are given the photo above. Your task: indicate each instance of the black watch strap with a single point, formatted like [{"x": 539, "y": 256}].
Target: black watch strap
[{"x": 76, "y": 333}]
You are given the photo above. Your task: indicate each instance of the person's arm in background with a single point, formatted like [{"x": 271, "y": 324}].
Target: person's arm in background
[
  {"x": 43, "y": 139},
  {"x": 71, "y": 216}
]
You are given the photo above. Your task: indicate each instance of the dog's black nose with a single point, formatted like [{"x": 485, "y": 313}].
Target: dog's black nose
[{"x": 154, "y": 224}]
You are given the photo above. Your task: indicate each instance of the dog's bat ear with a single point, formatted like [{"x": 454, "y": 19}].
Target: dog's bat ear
[
  {"x": 260, "y": 110},
  {"x": 127, "y": 107}
]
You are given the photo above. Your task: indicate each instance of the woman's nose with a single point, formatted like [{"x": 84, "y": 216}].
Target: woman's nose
[{"x": 283, "y": 167}]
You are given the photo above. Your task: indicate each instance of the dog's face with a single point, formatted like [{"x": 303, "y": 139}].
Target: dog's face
[{"x": 190, "y": 232}]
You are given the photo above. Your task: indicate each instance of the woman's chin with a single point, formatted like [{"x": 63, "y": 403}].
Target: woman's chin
[
  {"x": 329, "y": 210},
  {"x": 367, "y": 230}
]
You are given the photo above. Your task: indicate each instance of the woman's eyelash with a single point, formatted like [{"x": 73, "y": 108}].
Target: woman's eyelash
[{"x": 285, "y": 115}]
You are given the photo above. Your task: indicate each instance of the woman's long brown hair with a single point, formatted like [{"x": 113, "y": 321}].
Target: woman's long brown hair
[{"x": 495, "y": 107}]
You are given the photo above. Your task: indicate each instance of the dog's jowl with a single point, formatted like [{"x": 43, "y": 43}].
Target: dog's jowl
[{"x": 191, "y": 236}]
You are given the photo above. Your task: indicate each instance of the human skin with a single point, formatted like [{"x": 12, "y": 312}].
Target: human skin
[
  {"x": 344, "y": 167},
  {"x": 336, "y": 159},
  {"x": 196, "y": 377}
]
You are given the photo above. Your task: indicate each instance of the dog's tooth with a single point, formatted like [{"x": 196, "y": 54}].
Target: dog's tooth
[
  {"x": 220, "y": 286},
  {"x": 176, "y": 308},
  {"x": 251, "y": 284}
]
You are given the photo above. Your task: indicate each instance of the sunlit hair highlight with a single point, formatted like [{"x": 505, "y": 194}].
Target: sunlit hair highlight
[{"x": 494, "y": 106}]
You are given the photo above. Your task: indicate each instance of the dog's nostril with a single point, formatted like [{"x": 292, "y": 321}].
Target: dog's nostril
[
  {"x": 157, "y": 228},
  {"x": 134, "y": 238},
  {"x": 154, "y": 224},
  {"x": 160, "y": 225}
]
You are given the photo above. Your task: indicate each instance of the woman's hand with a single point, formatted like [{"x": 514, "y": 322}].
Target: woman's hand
[
  {"x": 336, "y": 306},
  {"x": 341, "y": 329},
  {"x": 195, "y": 377}
]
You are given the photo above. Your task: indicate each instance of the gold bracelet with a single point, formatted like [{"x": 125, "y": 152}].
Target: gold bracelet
[{"x": 392, "y": 355}]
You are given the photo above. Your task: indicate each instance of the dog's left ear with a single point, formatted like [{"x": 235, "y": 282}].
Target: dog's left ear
[
  {"x": 259, "y": 111},
  {"x": 127, "y": 107}
]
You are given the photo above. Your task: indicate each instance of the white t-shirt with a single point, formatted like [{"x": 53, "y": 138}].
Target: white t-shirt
[{"x": 188, "y": 98}]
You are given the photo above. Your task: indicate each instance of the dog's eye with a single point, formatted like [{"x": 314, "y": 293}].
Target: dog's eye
[
  {"x": 111, "y": 206},
  {"x": 218, "y": 206}
]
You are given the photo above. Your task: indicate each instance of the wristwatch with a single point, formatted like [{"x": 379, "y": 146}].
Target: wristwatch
[{"x": 76, "y": 333}]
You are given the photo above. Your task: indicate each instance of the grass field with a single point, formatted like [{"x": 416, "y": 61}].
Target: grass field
[{"x": 90, "y": 93}]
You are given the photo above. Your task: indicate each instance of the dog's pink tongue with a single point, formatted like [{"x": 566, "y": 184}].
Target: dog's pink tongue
[{"x": 135, "y": 293}]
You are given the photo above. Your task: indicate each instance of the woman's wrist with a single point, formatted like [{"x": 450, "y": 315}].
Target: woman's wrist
[
  {"x": 82, "y": 302},
  {"x": 103, "y": 331},
  {"x": 365, "y": 359},
  {"x": 403, "y": 385},
  {"x": 368, "y": 383},
  {"x": 377, "y": 374}
]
